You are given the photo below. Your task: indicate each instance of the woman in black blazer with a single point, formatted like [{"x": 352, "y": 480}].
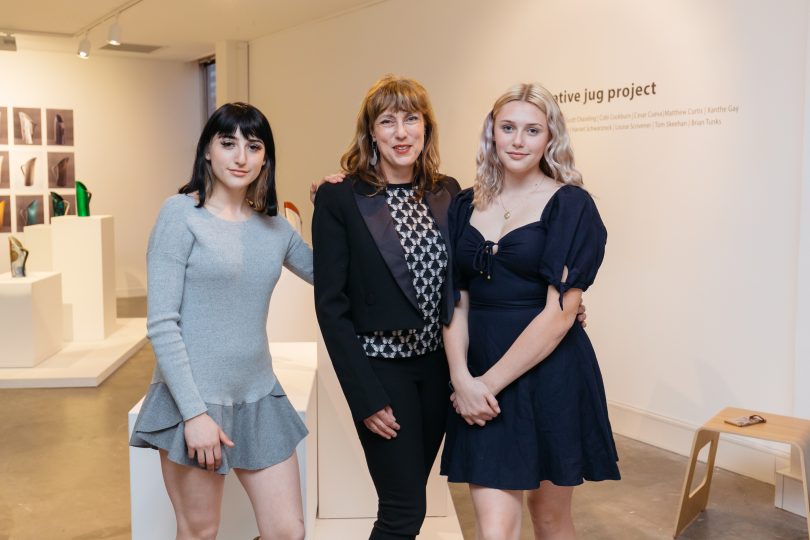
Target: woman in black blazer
[{"x": 382, "y": 294}]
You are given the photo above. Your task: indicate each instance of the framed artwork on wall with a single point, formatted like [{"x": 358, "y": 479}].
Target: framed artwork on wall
[
  {"x": 59, "y": 123},
  {"x": 3, "y": 125},
  {"x": 30, "y": 210},
  {"x": 27, "y": 125},
  {"x": 28, "y": 171},
  {"x": 5, "y": 214},
  {"x": 61, "y": 170},
  {"x": 35, "y": 183},
  {"x": 4, "y": 176}
]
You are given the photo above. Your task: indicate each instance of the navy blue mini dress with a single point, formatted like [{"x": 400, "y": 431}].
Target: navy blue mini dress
[{"x": 554, "y": 420}]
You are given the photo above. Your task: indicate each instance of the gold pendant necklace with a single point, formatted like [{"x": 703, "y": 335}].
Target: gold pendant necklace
[{"x": 508, "y": 213}]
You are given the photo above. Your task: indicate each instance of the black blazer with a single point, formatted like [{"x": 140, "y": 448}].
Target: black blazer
[{"x": 362, "y": 282}]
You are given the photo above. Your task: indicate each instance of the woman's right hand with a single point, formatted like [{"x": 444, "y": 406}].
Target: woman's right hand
[
  {"x": 335, "y": 178},
  {"x": 473, "y": 401},
  {"x": 383, "y": 423},
  {"x": 203, "y": 437}
]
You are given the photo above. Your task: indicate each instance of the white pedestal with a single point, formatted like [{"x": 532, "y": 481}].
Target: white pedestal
[
  {"x": 152, "y": 514},
  {"x": 292, "y": 310},
  {"x": 345, "y": 487},
  {"x": 788, "y": 492},
  {"x": 81, "y": 363},
  {"x": 30, "y": 318},
  {"x": 84, "y": 252},
  {"x": 37, "y": 240}
]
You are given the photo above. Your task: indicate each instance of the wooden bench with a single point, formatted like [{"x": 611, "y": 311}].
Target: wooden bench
[{"x": 784, "y": 429}]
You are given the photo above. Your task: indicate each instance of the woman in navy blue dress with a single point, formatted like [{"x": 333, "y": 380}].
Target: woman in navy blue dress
[{"x": 527, "y": 240}]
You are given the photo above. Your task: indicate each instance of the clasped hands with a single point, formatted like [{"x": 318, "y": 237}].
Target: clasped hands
[{"x": 473, "y": 400}]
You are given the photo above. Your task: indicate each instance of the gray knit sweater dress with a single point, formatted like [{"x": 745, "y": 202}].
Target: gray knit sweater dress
[{"x": 209, "y": 287}]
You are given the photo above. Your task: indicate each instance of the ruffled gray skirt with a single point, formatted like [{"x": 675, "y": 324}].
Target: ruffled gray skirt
[{"x": 265, "y": 432}]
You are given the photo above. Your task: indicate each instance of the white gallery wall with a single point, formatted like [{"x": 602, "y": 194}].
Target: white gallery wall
[
  {"x": 136, "y": 128},
  {"x": 698, "y": 178}
]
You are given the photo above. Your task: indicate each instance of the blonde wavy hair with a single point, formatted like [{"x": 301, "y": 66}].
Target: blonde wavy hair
[
  {"x": 557, "y": 161},
  {"x": 397, "y": 94}
]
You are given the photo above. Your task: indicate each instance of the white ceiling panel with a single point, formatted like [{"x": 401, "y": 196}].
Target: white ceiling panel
[{"x": 184, "y": 29}]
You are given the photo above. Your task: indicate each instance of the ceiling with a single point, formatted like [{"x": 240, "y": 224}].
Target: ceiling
[{"x": 184, "y": 29}]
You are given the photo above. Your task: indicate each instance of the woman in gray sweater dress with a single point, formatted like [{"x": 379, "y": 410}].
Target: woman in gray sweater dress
[{"x": 215, "y": 404}]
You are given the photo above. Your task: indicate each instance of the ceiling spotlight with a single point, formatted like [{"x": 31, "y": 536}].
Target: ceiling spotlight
[
  {"x": 84, "y": 48},
  {"x": 114, "y": 34}
]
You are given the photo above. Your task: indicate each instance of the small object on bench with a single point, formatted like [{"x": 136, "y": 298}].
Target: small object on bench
[
  {"x": 784, "y": 429},
  {"x": 742, "y": 421}
]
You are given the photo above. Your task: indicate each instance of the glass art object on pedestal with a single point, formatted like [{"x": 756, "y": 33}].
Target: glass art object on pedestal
[
  {"x": 82, "y": 199},
  {"x": 59, "y": 206},
  {"x": 58, "y": 129},
  {"x": 28, "y": 170},
  {"x": 26, "y": 128},
  {"x": 293, "y": 216},
  {"x": 28, "y": 215},
  {"x": 60, "y": 171},
  {"x": 19, "y": 255}
]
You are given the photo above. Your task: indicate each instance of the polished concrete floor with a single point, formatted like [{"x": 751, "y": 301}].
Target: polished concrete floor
[{"x": 64, "y": 475}]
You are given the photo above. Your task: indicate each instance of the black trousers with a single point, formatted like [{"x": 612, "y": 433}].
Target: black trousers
[{"x": 400, "y": 467}]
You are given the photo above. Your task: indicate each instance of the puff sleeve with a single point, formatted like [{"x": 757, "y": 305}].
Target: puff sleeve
[
  {"x": 457, "y": 215},
  {"x": 575, "y": 238}
]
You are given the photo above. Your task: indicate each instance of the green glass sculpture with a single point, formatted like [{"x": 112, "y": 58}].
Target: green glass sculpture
[
  {"x": 82, "y": 199},
  {"x": 19, "y": 255},
  {"x": 59, "y": 206},
  {"x": 28, "y": 215}
]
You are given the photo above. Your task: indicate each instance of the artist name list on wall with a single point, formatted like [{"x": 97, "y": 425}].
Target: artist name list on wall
[
  {"x": 707, "y": 116},
  {"x": 651, "y": 117}
]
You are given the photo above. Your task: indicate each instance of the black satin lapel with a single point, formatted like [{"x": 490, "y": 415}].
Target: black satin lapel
[
  {"x": 381, "y": 226},
  {"x": 438, "y": 203}
]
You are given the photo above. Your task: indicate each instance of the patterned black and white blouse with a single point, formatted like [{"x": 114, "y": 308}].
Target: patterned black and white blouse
[{"x": 426, "y": 257}]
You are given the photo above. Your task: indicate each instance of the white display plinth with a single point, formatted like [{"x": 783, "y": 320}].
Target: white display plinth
[
  {"x": 81, "y": 363},
  {"x": 788, "y": 492},
  {"x": 30, "y": 318},
  {"x": 84, "y": 252},
  {"x": 152, "y": 514},
  {"x": 37, "y": 240},
  {"x": 344, "y": 484}
]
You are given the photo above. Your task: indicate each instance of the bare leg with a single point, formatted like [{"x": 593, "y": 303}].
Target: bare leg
[
  {"x": 275, "y": 493},
  {"x": 550, "y": 508},
  {"x": 497, "y": 513},
  {"x": 196, "y": 496}
]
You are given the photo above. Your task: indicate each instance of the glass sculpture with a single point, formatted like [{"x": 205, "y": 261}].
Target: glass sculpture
[
  {"x": 59, "y": 206},
  {"x": 82, "y": 199},
  {"x": 2, "y": 214},
  {"x": 19, "y": 255},
  {"x": 293, "y": 215}
]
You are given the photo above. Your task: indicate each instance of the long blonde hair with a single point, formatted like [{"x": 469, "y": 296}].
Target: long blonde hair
[
  {"x": 398, "y": 94},
  {"x": 557, "y": 161}
]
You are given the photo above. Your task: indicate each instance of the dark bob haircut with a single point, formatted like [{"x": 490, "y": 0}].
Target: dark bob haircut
[{"x": 250, "y": 121}]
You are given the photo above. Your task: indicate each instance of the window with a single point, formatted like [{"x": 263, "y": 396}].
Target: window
[{"x": 209, "y": 78}]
